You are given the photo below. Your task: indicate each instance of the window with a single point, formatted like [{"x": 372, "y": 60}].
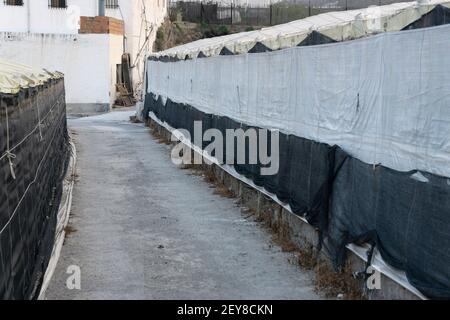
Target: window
[
  {"x": 57, "y": 3},
  {"x": 112, "y": 4},
  {"x": 14, "y": 2}
]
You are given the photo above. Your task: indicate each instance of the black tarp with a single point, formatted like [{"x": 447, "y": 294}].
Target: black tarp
[
  {"x": 29, "y": 203},
  {"x": 440, "y": 15},
  {"x": 315, "y": 38},
  {"x": 259, "y": 48},
  {"x": 226, "y": 52},
  {"x": 406, "y": 215}
]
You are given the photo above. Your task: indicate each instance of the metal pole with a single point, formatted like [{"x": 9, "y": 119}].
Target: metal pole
[
  {"x": 270, "y": 13},
  {"x": 101, "y": 8},
  {"x": 231, "y": 12},
  {"x": 28, "y": 17}
]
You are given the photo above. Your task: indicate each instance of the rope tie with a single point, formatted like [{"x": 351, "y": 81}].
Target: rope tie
[
  {"x": 39, "y": 123},
  {"x": 10, "y": 157},
  {"x": 8, "y": 153},
  {"x": 239, "y": 98}
]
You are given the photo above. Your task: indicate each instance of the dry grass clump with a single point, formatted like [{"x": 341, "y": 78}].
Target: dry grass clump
[
  {"x": 157, "y": 134},
  {"x": 223, "y": 191},
  {"x": 326, "y": 280},
  {"x": 307, "y": 257},
  {"x": 281, "y": 237},
  {"x": 69, "y": 230},
  {"x": 208, "y": 174},
  {"x": 337, "y": 284}
]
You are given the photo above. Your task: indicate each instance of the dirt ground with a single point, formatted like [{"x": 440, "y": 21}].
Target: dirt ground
[{"x": 172, "y": 34}]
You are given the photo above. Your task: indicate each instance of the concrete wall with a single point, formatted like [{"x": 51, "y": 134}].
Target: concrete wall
[
  {"x": 115, "y": 58},
  {"x": 88, "y": 61},
  {"x": 139, "y": 27},
  {"x": 13, "y": 18},
  {"x": 36, "y": 17}
]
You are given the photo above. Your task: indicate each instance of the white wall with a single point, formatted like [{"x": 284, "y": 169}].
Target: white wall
[
  {"x": 137, "y": 28},
  {"x": 41, "y": 36},
  {"x": 36, "y": 17},
  {"x": 115, "y": 58},
  {"x": 13, "y": 18},
  {"x": 88, "y": 61}
]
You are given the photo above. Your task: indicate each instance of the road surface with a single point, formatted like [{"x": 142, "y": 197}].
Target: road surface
[{"x": 144, "y": 229}]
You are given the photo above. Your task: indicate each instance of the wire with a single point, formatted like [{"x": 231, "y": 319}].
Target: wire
[
  {"x": 34, "y": 180},
  {"x": 147, "y": 32},
  {"x": 8, "y": 151}
]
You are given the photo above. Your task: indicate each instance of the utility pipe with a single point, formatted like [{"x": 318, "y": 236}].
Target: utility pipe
[{"x": 101, "y": 8}]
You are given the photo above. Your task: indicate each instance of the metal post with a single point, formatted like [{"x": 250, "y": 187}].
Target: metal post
[
  {"x": 28, "y": 17},
  {"x": 270, "y": 13},
  {"x": 231, "y": 12},
  {"x": 101, "y": 8}
]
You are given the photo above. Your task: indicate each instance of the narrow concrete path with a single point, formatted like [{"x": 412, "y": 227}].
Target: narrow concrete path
[{"x": 148, "y": 230}]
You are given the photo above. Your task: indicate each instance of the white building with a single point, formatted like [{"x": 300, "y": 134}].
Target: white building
[{"x": 50, "y": 34}]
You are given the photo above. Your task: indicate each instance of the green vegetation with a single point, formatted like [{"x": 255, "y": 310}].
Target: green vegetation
[{"x": 160, "y": 40}]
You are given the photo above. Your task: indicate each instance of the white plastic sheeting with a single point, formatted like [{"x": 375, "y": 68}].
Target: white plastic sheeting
[
  {"x": 14, "y": 76},
  {"x": 384, "y": 99},
  {"x": 340, "y": 26}
]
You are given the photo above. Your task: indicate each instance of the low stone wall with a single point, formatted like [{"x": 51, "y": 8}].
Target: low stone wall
[{"x": 86, "y": 109}]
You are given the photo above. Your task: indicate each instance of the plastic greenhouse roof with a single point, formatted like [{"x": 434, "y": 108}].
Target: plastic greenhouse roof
[
  {"x": 15, "y": 76},
  {"x": 339, "y": 25}
]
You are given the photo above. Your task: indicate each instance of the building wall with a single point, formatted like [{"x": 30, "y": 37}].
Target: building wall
[
  {"x": 139, "y": 27},
  {"x": 36, "y": 17},
  {"x": 88, "y": 61},
  {"x": 45, "y": 37},
  {"x": 115, "y": 58},
  {"x": 13, "y": 18}
]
